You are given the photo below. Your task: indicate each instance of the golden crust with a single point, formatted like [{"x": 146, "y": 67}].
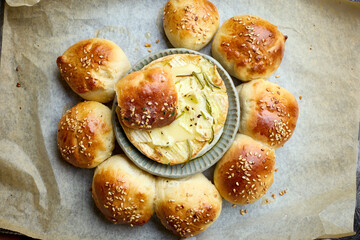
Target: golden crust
[
  {"x": 122, "y": 192},
  {"x": 91, "y": 67},
  {"x": 268, "y": 112},
  {"x": 147, "y": 99},
  {"x": 85, "y": 135},
  {"x": 190, "y": 24},
  {"x": 249, "y": 47},
  {"x": 246, "y": 171},
  {"x": 187, "y": 206}
]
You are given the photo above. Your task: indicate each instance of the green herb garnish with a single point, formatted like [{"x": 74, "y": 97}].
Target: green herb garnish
[{"x": 198, "y": 79}]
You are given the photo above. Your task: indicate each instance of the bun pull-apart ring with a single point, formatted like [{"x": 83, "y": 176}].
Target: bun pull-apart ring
[
  {"x": 187, "y": 206},
  {"x": 246, "y": 171},
  {"x": 268, "y": 112},
  {"x": 249, "y": 47},
  {"x": 122, "y": 192}
]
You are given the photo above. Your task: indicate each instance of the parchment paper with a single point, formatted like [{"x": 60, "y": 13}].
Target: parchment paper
[{"x": 44, "y": 197}]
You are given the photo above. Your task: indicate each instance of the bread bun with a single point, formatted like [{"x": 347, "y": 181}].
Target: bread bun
[
  {"x": 268, "y": 112},
  {"x": 85, "y": 134},
  {"x": 187, "y": 206},
  {"x": 249, "y": 47},
  {"x": 195, "y": 114},
  {"x": 147, "y": 99},
  {"x": 246, "y": 171},
  {"x": 122, "y": 192},
  {"x": 190, "y": 24},
  {"x": 91, "y": 67}
]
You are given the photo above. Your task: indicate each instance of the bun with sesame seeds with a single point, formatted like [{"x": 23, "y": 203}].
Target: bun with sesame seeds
[
  {"x": 147, "y": 99},
  {"x": 190, "y": 24},
  {"x": 246, "y": 171},
  {"x": 187, "y": 206},
  {"x": 268, "y": 112},
  {"x": 122, "y": 192},
  {"x": 249, "y": 47},
  {"x": 85, "y": 134},
  {"x": 91, "y": 68}
]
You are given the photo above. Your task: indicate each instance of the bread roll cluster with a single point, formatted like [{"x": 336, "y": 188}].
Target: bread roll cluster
[
  {"x": 128, "y": 195},
  {"x": 91, "y": 67},
  {"x": 250, "y": 49},
  {"x": 268, "y": 118},
  {"x": 267, "y": 121}
]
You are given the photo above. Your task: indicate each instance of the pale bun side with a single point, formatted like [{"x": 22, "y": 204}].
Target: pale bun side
[
  {"x": 122, "y": 192},
  {"x": 187, "y": 206}
]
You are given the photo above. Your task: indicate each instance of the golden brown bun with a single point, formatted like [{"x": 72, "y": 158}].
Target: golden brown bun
[
  {"x": 123, "y": 193},
  {"x": 187, "y": 206},
  {"x": 85, "y": 134},
  {"x": 147, "y": 99},
  {"x": 246, "y": 171},
  {"x": 91, "y": 67},
  {"x": 268, "y": 112},
  {"x": 249, "y": 47},
  {"x": 190, "y": 24}
]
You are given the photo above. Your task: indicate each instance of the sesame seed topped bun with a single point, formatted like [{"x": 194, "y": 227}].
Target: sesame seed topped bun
[
  {"x": 85, "y": 134},
  {"x": 91, "y": 67},
  {"x": 268, "y": 112},
  {"x": 147, "y": 99},
  {"x": 190, "y": 24},
  {"x": 187, "y": 206},
  {"x": 246, "y": 171},
  {"x": 122, "y": 192},
  {"x": 249, "y": 47}
]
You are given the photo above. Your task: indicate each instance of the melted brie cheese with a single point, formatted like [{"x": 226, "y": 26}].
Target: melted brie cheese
[{"x": 199, "y": 109}]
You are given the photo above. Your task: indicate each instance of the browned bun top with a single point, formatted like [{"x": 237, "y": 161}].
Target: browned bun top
[
  {"x": 187, "y": 206},
  {"x": 249, "y": 47},
  {"x": 91, "y": 67},
  {"x": 246, "y": 171},
  {"x": 147, "y": 99},
  {"x": 190, "y": 24},
  {"x": 268, "y": 112},
  {"x": 122, "y": 192},
  {"x": 85, "y": 134}
]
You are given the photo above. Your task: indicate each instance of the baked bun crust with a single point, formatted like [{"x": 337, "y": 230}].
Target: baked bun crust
[
  {"x": 85, "y": 134},
  {"x": 147, "y": 99},
  {"x": 249, "y": 47},
  {"x": 122, "y": 192},
  {"x": 190, "y": 24},
  {"x": 201, "y": 110},
  {"x": 268, "y": 112},
  {"x": 246, "y": 171},
  {"x": 187, "y": 206},
  {"x": 91, "y": 68}
]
